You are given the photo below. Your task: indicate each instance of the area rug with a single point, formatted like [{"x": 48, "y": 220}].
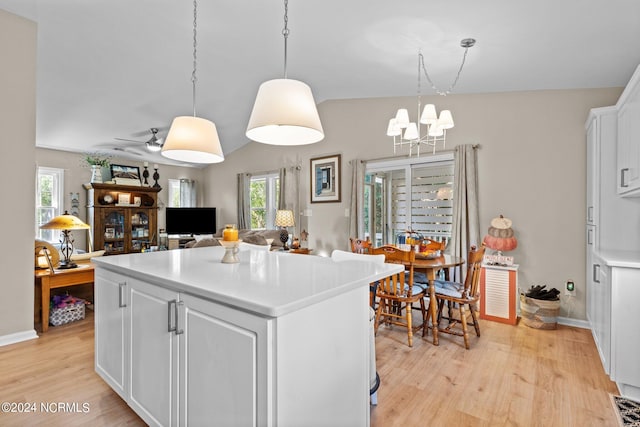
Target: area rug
[{"x": 628, "y": 411}]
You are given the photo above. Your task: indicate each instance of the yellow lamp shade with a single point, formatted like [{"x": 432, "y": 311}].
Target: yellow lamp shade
[{"x": 65, "y": 221}]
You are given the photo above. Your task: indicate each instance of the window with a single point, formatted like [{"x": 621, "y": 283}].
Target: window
[
  {"x": 49, "y": 201},
  {"x": 182, "y": 193},
  {"x": 411, "y": 194},
  {"x": 264, "y": 197}
]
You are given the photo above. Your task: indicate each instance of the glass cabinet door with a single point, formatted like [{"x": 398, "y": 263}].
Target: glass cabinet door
[
  {"x": 139, "y": 230},
  {"x": 113, "y": 232}
]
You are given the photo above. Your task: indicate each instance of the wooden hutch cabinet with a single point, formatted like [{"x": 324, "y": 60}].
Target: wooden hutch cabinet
[{"x": 123, "y": 218}]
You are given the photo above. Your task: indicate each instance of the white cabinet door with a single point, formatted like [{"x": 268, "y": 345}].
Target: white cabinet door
[
  {"x": 153, "y": 353},
  {"x": 629, "y": 138},
  {"x": 224, "y": 361},
  {"x": 626, "y": 335},
  {"x": 593, "y": 169},
  {"x": 111, "y": 333},
  {"x": 601, "y": 310}
]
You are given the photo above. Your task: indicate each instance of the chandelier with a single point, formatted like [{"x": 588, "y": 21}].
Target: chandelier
[{"x": 412, "y": 134}]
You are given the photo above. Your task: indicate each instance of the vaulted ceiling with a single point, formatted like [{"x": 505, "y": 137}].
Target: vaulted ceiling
[{"x": 112, "y": 69}]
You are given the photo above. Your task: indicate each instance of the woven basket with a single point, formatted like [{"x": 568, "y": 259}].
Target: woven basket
[{"x": 539, "y": 314}]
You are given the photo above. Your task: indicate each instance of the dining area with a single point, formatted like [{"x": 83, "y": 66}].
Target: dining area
[{"x": 422, "y": 298}]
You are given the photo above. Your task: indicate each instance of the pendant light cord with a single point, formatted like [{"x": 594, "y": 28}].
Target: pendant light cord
[
  {"x": 194, "y": 79},
  {"x": 285, "y": 34},
  {"x": 466, "y": 43}
]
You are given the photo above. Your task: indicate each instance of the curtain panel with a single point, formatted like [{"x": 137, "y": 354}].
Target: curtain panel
[
  {"x": 244, "y": 201},
  {"x": 466, "y": 221},
  {"x": 356, "y": 207}
]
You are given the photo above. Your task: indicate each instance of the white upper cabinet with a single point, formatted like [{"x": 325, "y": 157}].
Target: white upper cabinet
[{"x": 628, "y": 179}]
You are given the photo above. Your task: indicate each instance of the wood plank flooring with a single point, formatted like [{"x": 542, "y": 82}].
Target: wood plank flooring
[{"x": 511, "y": 376}]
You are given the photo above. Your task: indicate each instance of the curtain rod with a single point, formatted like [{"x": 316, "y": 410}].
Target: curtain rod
[{"x": 474, "y": 146}]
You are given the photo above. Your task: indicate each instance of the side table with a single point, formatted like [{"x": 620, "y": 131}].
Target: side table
[{"x": 47, "y": 280}]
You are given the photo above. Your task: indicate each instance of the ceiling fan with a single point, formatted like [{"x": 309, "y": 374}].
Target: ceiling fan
[{"x": 153, "y": 144}]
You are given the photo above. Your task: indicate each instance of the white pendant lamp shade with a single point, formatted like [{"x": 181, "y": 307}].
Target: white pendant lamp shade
[
  {"x": 429, "y": 115},
  {"x": 194, "y": 140},
  {"x": 435, "y": 130},
  {"x": 446, "y": 119},
  {"x": 402, "y": 118},
  {"x": 285, "y": 113},
  {"x": 411, "y": 132},
  {"x": 393, "y": 129}
]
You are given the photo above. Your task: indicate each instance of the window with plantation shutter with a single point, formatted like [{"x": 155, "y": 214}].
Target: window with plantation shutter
[
  {"x": 431, "y": 200},
  {"x": 409, "y": 194}
]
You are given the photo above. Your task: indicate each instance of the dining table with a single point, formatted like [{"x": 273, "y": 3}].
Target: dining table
[{"x": 430, "y": 266}]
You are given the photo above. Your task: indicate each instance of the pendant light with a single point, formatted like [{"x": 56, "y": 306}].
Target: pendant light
[
  {"x": 193, "y": 139},
  {"x": 285, "y": 112}
]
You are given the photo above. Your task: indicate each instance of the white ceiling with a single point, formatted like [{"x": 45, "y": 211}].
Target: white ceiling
[{"x": 114, "y": 68}]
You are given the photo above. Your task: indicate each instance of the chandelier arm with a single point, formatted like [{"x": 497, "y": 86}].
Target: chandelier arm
[
  {"x": 194, "y": 79},
  {"x": 285, "y": 34}
]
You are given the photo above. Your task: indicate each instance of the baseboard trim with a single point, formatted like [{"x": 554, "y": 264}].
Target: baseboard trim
[
  {"x": 18, "y": 337},
  {"x": 567, "y": 321}
]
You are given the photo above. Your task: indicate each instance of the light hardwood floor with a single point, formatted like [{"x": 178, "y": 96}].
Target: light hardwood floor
[{"x": 511, "y": 376}]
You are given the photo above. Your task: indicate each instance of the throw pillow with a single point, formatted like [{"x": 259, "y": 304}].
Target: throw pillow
[
  {"x": 206, "y": 242},
  {"x": 254, "y": 239}
]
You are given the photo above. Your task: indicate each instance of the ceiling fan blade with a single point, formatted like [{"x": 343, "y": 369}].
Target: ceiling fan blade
[
  {"x": 130, "y": 140},
  {"x": 146, "y": 132}
]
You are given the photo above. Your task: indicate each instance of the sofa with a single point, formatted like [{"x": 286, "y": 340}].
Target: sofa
[{"x": 255, "y": 237}]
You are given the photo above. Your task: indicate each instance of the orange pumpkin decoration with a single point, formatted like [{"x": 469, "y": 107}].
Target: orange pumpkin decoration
[{"x": 500, "y": 243}]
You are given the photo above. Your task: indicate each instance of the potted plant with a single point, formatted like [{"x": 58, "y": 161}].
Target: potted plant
[{"x": 99, "y": 167}]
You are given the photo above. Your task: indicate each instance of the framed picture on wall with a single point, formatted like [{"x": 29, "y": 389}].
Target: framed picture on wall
[
  {"x": 325, "y": 179},
  {"x": 126, "y": 172}
]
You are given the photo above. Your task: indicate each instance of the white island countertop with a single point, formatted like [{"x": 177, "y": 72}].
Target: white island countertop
[
  {"x": 267, "y": 283},
  {"x": 625, "y": 259}
]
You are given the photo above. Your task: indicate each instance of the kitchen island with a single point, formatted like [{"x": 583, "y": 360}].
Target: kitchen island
[{"x": 277, "y": 339}]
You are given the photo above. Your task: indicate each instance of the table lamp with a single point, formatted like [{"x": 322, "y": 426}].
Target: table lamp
[
  {"x": 284, "y": 219},
  {"x": 66, "y": 223}
]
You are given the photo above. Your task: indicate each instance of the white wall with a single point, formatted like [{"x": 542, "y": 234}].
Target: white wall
[
  {"x": 18, "y": 115},
  {"x": 531, "y": 169}
]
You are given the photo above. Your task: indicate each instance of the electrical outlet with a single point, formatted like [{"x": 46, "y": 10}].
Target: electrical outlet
[{"x": 569, "y": 288}]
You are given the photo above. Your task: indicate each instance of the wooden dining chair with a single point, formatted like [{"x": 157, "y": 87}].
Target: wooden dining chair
[
  {"x": 464, "y": 295},
  {"x": 360, "y": 246},
  {"x": 397, "y": 293}
]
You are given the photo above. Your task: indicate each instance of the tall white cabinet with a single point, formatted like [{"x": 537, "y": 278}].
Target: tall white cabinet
[{"x": 612, "y": 236}]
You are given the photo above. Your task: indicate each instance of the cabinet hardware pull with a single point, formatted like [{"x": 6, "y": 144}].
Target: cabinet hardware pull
[
  {"x": 590, "y": 214},
  {"x": 590, "y": 237},
  {"x": 596, "y": 272},
  {"x": 171, "y": 324},
  {"x": 179, "y": 330},
  {"x": 622, "y": 176},
  {"x": 121, "y": 294}
]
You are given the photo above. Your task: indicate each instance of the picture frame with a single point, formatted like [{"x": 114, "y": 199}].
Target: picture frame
[
  {"x": 326, "y": 183},
  {"x": 124, "y": 199},
  {"x": 126, "y": 172},
  {"x": 109, "y": 233}
]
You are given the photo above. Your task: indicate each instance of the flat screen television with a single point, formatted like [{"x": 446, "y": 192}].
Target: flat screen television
[{"x": 190, "y": 220}]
